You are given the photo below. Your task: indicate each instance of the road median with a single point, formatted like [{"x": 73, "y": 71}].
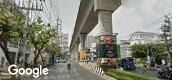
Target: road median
[
  {"x": 89, "y": 67},
  {"x": 123, "y": 75}
]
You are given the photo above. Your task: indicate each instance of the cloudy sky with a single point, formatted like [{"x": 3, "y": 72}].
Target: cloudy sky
[
  {"x": 130, "y": 17},
  {"x": 135, "y": 14}
]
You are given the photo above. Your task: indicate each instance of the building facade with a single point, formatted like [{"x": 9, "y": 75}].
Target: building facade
[
  {"x": 144, "y": 38},
  {"x": 125, "y": 50},
  {"x": 64, "y": 42},
  {"x": 13, "y": 47},
  {"x": 137, "y": 38}
]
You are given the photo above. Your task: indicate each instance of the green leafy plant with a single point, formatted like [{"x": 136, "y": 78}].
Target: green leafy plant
[{"x": 127, "y": 75}]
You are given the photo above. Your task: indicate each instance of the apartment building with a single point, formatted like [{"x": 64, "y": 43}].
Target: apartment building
[{"x": 144, "y": 38}]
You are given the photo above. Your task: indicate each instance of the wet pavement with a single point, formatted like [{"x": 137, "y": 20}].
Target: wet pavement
[{"x": 60, "y": 72}]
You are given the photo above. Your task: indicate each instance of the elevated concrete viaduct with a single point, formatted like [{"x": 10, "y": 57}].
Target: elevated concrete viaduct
[{"x": 91, "y": 13}]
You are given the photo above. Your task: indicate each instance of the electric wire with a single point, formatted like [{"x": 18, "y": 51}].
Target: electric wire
[
  {"x": 49, "y": 12},
  {"x": 147, "y": 26}
]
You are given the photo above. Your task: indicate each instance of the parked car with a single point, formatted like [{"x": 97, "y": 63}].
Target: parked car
[{"x": 128, "y": 63}]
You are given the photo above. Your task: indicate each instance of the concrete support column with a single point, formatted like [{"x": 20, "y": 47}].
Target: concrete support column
[
  {"x": 73, "y": 54},
  {"x": 77, "y": 47},
  {"x": 105, "y": 22},
  {"x": 76, "y": 51},
  {"x": 83, "y": 38}
]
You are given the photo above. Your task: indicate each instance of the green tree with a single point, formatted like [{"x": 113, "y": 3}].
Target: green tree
[
  {"x": 139, "y": 50},
  {"x": 40, "y": 35},
  {"x": 160, "y": 49},
  {"x": 54, "y": 49},
  {"x": 10, "y": 29}
]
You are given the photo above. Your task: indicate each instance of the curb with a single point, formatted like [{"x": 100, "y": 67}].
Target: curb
[{"x": 98, "y": 70}]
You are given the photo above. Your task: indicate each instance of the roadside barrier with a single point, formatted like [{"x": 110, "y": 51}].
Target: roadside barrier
[{"x": 98, "y": 70}]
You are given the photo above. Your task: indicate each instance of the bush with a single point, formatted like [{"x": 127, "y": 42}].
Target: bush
[
  {"x": 142, "y": 62},
  {"x": 127, "y": 75},
  {"x": 118, "y": 77}
]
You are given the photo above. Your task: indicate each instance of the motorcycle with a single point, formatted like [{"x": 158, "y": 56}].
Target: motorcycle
[{"x": 165, "y": 73}]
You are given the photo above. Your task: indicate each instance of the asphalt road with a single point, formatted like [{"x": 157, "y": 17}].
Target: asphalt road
[{"x": 60, "y": 72}]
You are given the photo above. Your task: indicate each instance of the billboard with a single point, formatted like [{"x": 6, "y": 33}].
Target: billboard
[{"x": 107, "y": 47}]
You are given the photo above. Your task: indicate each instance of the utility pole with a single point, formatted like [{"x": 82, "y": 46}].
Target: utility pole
[
  {"x": 28, "y": 28},
  {"x": 148, "y": 56},
  {"x": 170, "y": 41},
  {"x": 59, "y": 27},
  {"x": 166, "y": 30}
]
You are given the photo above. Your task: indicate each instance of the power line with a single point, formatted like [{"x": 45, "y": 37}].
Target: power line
[
  {"x": 52, "y": 9},
  {"x": 45, "y": 14},
  {"x": 48, "y": 17},
  {"x": 48, "y": 11},
  {"x": 57, "y": 11},
  {"x": 147, "y": 26},
  {"x": 151, "y": 24}
]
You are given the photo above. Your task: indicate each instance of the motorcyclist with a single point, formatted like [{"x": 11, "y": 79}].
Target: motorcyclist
[{"x": 69, "y": 66}]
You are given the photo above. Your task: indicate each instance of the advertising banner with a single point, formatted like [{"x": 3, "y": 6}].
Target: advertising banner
[{"x": 107, "y": 47}]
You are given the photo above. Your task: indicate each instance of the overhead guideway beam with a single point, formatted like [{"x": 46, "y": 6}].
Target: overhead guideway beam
[{"x": 90, "y": 13}]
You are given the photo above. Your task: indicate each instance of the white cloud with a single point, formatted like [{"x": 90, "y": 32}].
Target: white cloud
[
  {"x": 134, "y": 14},
  {"x": 130, "y": 16}
]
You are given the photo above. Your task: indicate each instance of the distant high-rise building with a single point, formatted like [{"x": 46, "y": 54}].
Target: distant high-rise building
[{"x": 64, "y": 42}]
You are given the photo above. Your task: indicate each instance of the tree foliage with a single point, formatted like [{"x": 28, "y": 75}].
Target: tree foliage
[
  {"x": 140, "y": 50},
  {"x": 53, "y": 48},
  {"x": 40, "y": 36},
  {"x": 10, "y": 29}
]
